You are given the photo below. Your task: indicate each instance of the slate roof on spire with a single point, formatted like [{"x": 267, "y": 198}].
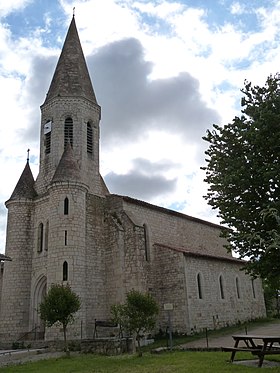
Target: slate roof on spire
[
  {"x": 67, "y": 169},
  {"x": 71, "y": 77},
  {"x": 25, "y": 185}
]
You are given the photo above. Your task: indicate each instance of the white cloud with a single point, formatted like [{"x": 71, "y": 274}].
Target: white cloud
[
  {"x": 7, "y": 7},
  {"x": 237, "y": 8}
]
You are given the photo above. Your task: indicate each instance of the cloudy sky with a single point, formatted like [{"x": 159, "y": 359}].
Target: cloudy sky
[{"x": 163, "y": 73}]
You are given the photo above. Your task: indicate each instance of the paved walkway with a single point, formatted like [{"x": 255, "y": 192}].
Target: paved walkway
[{"x": 272, "y": 328}]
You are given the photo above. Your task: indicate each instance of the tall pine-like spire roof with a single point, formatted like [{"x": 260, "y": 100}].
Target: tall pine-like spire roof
[{"x": 71, "y": 77}]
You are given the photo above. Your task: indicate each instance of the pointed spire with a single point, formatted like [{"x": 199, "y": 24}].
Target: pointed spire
[
  {"x": 71, "y": 77},
  {"x": 67, "y": 169},
  {"x": 25, "y": 185}
]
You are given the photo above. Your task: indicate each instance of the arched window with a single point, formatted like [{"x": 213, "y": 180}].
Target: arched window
[
  {"x": 89, "y": 138},
  {"x": 47, "y": 236},
  {"x": 237, "y": 287},
  {"x": 199, "y": 285},
  {"x": 40, "y": 238},
  {"x": 221, "y": 284},
  {"x": 65, "y": 271},
  {"x": 146, "y": 243},
  {"x": 66, "y": 206},
  {"x": 68, "y": 131}
]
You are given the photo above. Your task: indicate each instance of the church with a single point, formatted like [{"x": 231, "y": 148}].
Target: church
[{"x": 66, "y": 227}]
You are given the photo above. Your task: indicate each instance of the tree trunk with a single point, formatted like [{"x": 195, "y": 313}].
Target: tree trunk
[
  {"x": 139, "y": 346},
  {"x": 65, "y": 341}
]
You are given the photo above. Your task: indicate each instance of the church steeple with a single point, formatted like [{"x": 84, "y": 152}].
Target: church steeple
[
  {"x": 71, "y": 77},
  {"x": 70, "y": 114}
]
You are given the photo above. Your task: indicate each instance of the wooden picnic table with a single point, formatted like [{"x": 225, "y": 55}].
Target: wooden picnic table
[{"x": 259, "y": 345}]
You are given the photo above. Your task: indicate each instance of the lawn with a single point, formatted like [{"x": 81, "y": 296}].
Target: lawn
[{"x": 169, "y": 362}]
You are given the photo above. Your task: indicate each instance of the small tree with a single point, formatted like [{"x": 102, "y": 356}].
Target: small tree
[
  {"x": 137, "y": 316},
  {"x": 59, "y": 306}
]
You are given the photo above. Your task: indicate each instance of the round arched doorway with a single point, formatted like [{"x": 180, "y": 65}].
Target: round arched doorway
[{"x": 40, "y": 291}]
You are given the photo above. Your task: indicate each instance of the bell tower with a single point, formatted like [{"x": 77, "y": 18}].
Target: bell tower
[{"x": 71, "y": 114}]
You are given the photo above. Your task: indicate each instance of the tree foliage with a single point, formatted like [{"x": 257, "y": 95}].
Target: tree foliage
[
  {"x": 137, "y": 315},
  {"x": 243, "y": 173},
  {"x": 59, "y": 306}
]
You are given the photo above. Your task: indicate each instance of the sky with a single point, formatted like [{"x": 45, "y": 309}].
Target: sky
[{"x": 163, "y": 73}]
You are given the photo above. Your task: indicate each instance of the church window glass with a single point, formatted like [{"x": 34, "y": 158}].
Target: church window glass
[
  {"x": 199, "y": 285},
  {"x": 221, "y": 284},
  {"x": 68, "y": 131},
  {"x": 65, "y": 271},
  {"x": 89, "y": 138},
  {"x": 40, "y": 237},
  {"x": 66, "y": 206}
]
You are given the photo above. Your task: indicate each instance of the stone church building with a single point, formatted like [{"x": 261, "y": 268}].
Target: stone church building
[{"x": 66, "y": 227}]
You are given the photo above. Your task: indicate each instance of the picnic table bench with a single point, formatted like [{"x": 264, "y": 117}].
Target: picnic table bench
[{"x": 259, "y": 345}]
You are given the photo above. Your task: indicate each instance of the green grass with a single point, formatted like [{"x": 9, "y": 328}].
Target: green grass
[{"x": 170, "y": 362}]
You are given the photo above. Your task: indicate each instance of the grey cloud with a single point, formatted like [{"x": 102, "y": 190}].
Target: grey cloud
[
  {"x": 137, "y": 185},
  {"x": 35, "y": 90},
  {"x": 143, "y": 181},
  {"x": 132, "y": 103}
]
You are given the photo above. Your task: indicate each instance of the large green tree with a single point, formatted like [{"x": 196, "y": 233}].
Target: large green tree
[
  {"x": 59, "y": 306},
  {"x": 137, "y": 315},
  {"x": 243, "y": 173}
]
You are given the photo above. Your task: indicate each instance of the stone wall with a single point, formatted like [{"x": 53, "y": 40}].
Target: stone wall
[
  {"x": 95, "y": 297},
  {"x": 215, "y": 310},
  {"x": 15, "y": 304},
  {"x": 170, "y": 274}
]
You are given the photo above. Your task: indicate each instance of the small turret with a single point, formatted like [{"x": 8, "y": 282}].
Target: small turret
[{"x": 25, "y": 185}]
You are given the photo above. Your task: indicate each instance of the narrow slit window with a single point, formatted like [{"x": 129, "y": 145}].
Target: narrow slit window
[
  {"x": 47, "y": 236},
  {"x": 146, "y": 243},
  {"x": 199, "y": 286},
  {"x": 89, "y": 138},
  {"x": 65, "y": 238},
  {"x": 221, "y": 284},
  {"x": 40, "y": 237},
  {"x": 66, "y": 206},
  {"x": 253, "y": 288},
  {"x": 68, "y": 131},
  {"x": 65, "y": 271},
  {"x": 237, "y": 287}
]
